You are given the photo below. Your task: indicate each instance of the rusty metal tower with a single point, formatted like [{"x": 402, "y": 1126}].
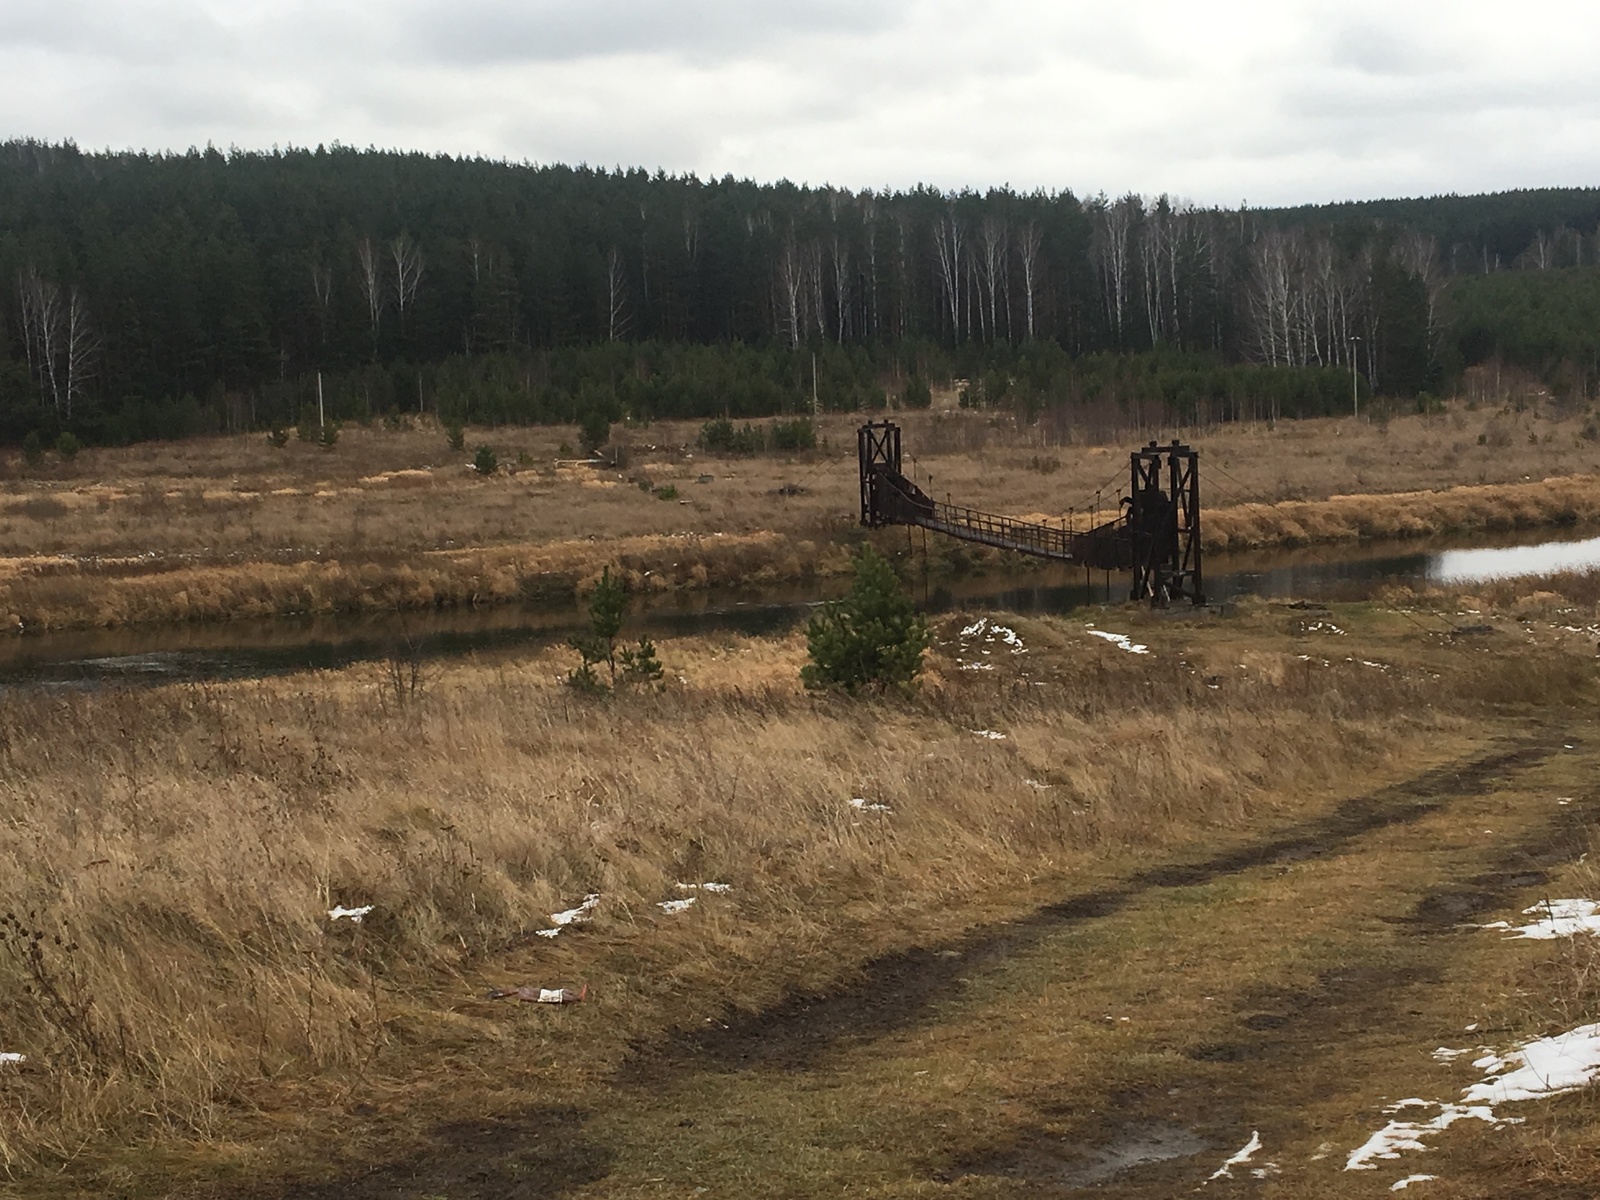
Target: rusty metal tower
[{"x": 1164, "y": 522}]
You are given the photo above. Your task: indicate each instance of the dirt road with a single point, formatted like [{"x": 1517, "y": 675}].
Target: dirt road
[{"x": 1128, "y": 1040}]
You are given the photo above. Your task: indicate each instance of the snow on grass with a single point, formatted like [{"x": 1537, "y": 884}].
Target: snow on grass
[
  {"x": 1009, "y": 636},
  {"x": 716, "y": 888},
  {"x": 676, "y": 906},
  {"x": 1225, "y": 1171},
  {"x": 993, "y": 632},
  {"x": 1544, "y": 1067},
  {"x": 990, "y": 734},
  {"x": 341, "y": 913},
  {"x": 1397, "y": 1137},
  {"x": 1446, "y": 1055},
  {"x": 1535, "y": 1070},
  {"x": 862, "y": 804},
  {"x": 1401, "y": 1185},
  {"x": 990, "y": 634},
  {"x": 11, "y": 1056},
  {"x": 1120, "y": 640},
  {"x": 1559, "y": 919},
  {"x": 572, "y": 916}
]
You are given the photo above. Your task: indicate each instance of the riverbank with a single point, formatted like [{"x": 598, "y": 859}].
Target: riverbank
[
  {"x": 391, "y": 519},
  {"x": 46, "y": 593}
]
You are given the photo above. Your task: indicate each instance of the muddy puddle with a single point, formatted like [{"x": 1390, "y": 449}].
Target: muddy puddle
[{"x": 253, "y": 648}]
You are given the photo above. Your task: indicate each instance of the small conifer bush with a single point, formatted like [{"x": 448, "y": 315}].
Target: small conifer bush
[{"x": 872, "y": 639}]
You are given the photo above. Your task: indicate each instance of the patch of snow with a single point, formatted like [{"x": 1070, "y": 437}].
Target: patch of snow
[
  {"x": 1009, "y": 636},
  {"x": 572, "y": 916},
  {"x": 1120, "y": 640},
  {"x": 340, "y": 913},
  {"x": 1401, "y": 1185},
  {"x": 675, "y": 906},
  {"x": 1561, "y": 919},
  {"x": 717, "y": 888},
  {"x": 1225, "y": 1171},
  {"x": 1537, "y": 1069},
  {"x": 1543, "y": 1067},
  {"x": 11, "y": 1056},
  {"x": 1446, "y": 1055},
  {"x": 862, "y": 804},
  {"x": 992, "y": 632},
  {"x": 1324, "y": 627},
  {"x": 1397, "y": 1137},
  {"x": 1037, "y": 786},
  {"x": 977, "y": 666},
  {"x": 992, "y": 735}
]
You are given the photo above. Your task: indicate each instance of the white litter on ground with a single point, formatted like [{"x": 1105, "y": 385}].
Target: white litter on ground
[
  {"x": 11, "y": 1056},
  {"x": 340, "y": 913},
  {"x": 991, "y": 734},
  {"x": 1560, "y": 919},
  {"x": 1225, "y": 1171},
  {"x": 1401, "y": 1185},
  {"x": 1397, "y": 1137},
  {"x": 718, "y": 888},
  {"x": 675, "y": 906},
  {"x": 1543, "y": 1067},
  {"x": 1324, "y": 627},
  {"x": 1120, "y": 640},
  {"x": 862, "y": 804},
  {"x": 573, "y": 916}
]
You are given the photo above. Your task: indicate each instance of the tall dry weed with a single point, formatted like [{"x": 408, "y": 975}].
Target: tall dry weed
[{"x": 186, "y": 843}]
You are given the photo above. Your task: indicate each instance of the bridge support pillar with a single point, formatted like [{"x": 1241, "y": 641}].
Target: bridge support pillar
[{"x": 1164, "y": 523}]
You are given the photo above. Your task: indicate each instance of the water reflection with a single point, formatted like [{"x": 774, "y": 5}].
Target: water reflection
[{"x": 1510, "y": 562}]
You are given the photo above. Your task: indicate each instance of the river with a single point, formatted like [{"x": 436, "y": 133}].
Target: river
[{"x": 243, "y": 649}]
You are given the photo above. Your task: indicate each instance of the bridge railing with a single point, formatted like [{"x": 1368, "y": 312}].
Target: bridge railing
[{"x": 902, "y": 502}]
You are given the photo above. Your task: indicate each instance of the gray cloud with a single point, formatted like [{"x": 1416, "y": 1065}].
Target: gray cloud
[
  {"x": 1354, "y": 98},
  {"x": 499, "y": 31}
]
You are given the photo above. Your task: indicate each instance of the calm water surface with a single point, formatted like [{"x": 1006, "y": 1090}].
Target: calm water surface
[{"x": 238, "y": 649}]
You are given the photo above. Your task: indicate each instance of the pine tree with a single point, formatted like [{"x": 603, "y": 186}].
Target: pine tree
[{"x": 872, "y": 639}]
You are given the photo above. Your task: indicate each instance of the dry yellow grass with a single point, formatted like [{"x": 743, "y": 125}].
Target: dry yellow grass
[
  {"x": 231, "y": 526},
  {"x": 187, "y": 842}
]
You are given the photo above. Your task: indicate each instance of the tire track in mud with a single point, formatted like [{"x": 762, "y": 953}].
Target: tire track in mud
[
  {"x": 1268, "y": 1064},
  {"x": 550, "y": 1152},
  {"x": 897, "y": 991}
]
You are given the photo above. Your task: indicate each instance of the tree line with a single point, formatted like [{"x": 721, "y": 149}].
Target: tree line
[{"x": 156, "y": 295}]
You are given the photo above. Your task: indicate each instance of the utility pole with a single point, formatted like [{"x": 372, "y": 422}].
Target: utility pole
[{"x": 1355, "y": 379}]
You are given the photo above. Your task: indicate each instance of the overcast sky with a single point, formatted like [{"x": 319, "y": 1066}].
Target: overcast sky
[{"x": 1216, "y": 101}]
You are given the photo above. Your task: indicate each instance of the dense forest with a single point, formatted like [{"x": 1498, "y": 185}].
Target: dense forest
[{"x": 161, "y": 295}]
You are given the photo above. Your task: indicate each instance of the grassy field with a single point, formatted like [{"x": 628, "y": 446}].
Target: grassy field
[
  {"x": 217, "y": 528},
  {"x": 1041, "y": 941}
]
